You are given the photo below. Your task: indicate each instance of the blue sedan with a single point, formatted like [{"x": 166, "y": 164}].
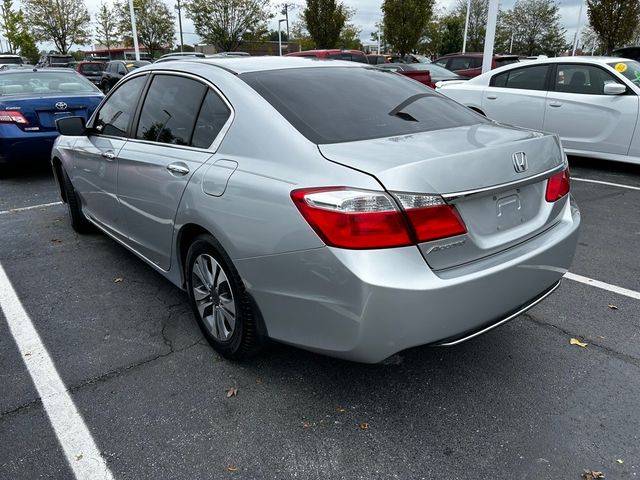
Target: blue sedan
[{"x": 31, "y": 102}]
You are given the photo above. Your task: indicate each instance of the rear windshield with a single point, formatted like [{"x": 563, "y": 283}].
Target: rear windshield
[
  {"x": 341, "y": 104},
  {"x": 11, "y": 60},
  {"x": 43, "y": 83},
  {"x": 92, "y": 67}
]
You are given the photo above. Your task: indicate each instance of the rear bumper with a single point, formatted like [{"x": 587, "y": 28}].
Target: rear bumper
[
  {"x": 367, "y": 305},
  {"x": 17, "y": 146}
]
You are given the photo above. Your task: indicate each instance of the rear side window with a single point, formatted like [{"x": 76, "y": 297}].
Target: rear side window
[
  {"x": 460, "y": 63},
  {"x": 170, "y": 110},
  {"x": 213, "y": 115},
  {"x": 114, "y": 116},
  {"x": 342, "y": 104},
  {"x": 528, "y": 78}
]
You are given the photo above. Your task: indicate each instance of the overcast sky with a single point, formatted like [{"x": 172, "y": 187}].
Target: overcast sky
[{"x": 367, "y": 14}]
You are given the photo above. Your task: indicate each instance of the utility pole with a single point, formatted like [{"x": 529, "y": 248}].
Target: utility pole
[
  {"x": 575, "y": 37},
  {"x": 378, "y": 38},
  {"x": 286, "y": 17},
  {"x": 180, "y": 24},
  {"x": 134, "y": 31},
  {"x": 466, "y": 28},
  {"x": 511, "y": 43},
  {"x": 280, "y": 36}
]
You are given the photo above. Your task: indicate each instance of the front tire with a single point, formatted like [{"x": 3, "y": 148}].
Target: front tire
[
  {"x": 78, "y": 221},
  {"x": 219, "y": 300}
]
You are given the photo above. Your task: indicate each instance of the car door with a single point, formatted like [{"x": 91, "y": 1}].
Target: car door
[
  {"x": 178, "y": 122},
  {"x": 95, "y": 163},
  {"x": 518, "y": 96},
  {"x": 585, "y": 118}
]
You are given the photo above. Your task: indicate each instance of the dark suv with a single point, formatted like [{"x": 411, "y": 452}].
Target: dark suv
[
  {"x": 115, "y": 70},
  {"x": 470, "y": 64}
]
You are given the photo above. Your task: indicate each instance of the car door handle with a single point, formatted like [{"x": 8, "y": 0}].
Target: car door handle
[
  {"x": 492, "y": 97},
  {"x": 555, "y": 104},
  {"x": 109, "y": 155},
  {"x": 178, "y": 168}
]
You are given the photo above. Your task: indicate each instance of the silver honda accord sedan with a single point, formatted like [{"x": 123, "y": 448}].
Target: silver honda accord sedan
[{"x": 327, "y": 205}]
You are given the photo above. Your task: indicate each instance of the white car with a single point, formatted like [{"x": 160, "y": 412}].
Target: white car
[{"x": 591, "y": 102}]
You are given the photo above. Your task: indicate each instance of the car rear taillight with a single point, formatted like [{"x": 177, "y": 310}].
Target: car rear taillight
[
  {"x": 430, "y": 217},
  {"x": 558, "y": 186},
  {"x": 360, "y": 219},
  {"x": 10, "y": 116}
]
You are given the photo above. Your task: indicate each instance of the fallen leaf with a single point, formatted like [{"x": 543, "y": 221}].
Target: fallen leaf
[
  {"x": 56, "y": 240},
  {"x": 364, "y": 426},
  {"x": 306, "y": 424},
  {"x": 231, "y": 392},
  {"x": 118, "y": 280},
  {"x": 340, "y": 410},
  {"x": 232, "y": 468},
  {"x": 592, "y": 475},
  {"x": 612, "y": 307},
  {"x": 575, "y": 341},
  {"x": 27, "y": 354},
  {"x": 78, "y": 457},
  {"x": 620, "y": 461}
]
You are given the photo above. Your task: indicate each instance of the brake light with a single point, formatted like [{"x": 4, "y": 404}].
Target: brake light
[
  {"x": 558, "y": 186},
  {"x": 10, "y": 116},
  {"x": 430, "y": 217},
  {"x": 359, "y": 219}
]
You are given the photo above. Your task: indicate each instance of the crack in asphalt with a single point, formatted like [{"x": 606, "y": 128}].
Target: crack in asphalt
[
  {"x": 607, "y": 350},
  {"x": 172, "y": 313}
]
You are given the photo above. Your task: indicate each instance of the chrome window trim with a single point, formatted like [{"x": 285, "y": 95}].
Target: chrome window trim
[
  {"x": 213, "y": 148},
  {"x": 455, "y": 196}
]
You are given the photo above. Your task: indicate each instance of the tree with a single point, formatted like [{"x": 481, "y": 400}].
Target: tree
[
  {"x": 11, "y": 23},
  {"x": 350, "y": 37},
  {"x": 107, "y": 31},
  {"x": 614, "y": 21},
  {"x": 405, "y": 23},
  {"x": 325, "y": 20},
  {"x": 535, "y": 26},
  {"x": 155, "y": 24},
  {"x": 477, "y": 22},
  {"x": 301, "y": 36},
  {"x": 63, "y": 22},
  {"x": 225, "y": 23},
  {"x": 452, "y": 33}
]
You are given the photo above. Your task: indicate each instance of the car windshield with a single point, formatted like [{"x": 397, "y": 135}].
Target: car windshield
[
  {"x": 42, "y": 82},
  {"x": 628, "y": 68},
  {"x": 341, "y": 104}
]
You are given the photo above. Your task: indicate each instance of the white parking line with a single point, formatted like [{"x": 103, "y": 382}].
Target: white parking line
[
  {"x": 604, "y": 286},
  {"x": 620, "y": 185},
  {"x": 32, "y": 207},
  {"x": 74, "y": 437}
]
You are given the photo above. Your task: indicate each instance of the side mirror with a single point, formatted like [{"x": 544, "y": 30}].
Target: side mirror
[
  {"x": 71, "y": 126},
  {"x": 614, "y": 89}
]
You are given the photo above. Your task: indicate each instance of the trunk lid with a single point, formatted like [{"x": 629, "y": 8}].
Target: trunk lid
[
  {"x": 42, "y": 112},
  {"x": 473, "y": 168}
]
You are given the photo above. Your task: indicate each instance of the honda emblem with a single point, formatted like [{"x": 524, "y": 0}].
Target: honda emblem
[{"x": 519, "y": 162}]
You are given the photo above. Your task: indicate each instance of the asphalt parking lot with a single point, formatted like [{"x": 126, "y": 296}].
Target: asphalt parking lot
[{"x": 520, "y": 402}]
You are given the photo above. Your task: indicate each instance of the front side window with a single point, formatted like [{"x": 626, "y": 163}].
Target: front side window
[
  {"x": 582, "y": 79},
  {"x": 170, "y": 110},
  {"x": 114, "y": 116},
  {"x": 528, "y": 78},
  {"x": 121, "y": 69}
]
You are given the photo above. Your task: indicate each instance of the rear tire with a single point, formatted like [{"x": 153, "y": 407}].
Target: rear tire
[
  {"x": 219, "y": 300},
  {"x": 78, "y": 221}
]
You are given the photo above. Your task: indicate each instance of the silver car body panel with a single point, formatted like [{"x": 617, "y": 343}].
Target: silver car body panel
[{"x": 355, "y": 304}]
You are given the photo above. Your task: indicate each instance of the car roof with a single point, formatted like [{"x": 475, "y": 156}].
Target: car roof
[
  {"x": 477, "y": 54},
  {"x": 34, "y": 69},
  {"x": 240, "y": 65}
]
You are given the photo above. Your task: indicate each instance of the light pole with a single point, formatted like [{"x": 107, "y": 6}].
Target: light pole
[
  {"x": 490, "y": 36},
  {"x": 134, "y": 32},
  {"x": 575, "y": 37},
  {"x": 180, "y": 24},
  {"x": 466, "y": 27},
  {"x": 280, "y": 35}
]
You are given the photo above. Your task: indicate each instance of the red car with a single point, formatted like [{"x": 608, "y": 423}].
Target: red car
[
  {"x": 417, "y": 71},
  {"x": 470, "y": 64},
  {"x": 335, "y": 54},
  {"x": 91, "y": 70}
]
